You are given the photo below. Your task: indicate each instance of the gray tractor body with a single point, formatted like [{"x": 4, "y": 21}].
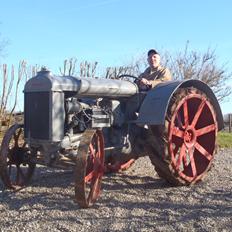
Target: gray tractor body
[{"x": 59, "y": 109}]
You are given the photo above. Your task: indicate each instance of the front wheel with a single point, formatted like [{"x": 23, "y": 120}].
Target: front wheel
[
  {"x": 16, "y": 168},
  {"x": 89, "y": 168}
]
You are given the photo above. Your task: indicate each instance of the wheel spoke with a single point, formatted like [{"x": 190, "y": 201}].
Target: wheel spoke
[
  {"x": 177, "y": 132},
  {"x": 98, "y": 148},
  {"x": 123, "y": 166},
  {"x": 190, "y": 155},
  {"x": 175, "y": 148},
  {"x": 186, "y": 117},
  {"x": 24, "y": 145},
  {"x": 96, "y": 161},
  {"x": 193, "y": 166},
  {"x": 95, "y": 190},
  {"x": 96, "y": 169},
  {"x": 9, "y": 169},
  {"x": 179, "y": 122},
  {"x": 19, "y": 132},
  {"x": 181, "y": 155},
  {"x": 10, "y": 154},
  {"x": 198, "y": 113},
  {"x": 205, "y": 130},
  {"x": 16, "y": 137},
  {"x": 89, "y": 176},
  {"x": 203, "y": 151},
  {"x": 17, "y": 176},
  {"x": 192, "y": 161},
  {"x": 22, "y": 173},
  {"x": 92, "y": 150}
]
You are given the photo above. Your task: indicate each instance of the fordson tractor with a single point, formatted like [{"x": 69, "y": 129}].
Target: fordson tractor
[{"x": 97, "y": 125}]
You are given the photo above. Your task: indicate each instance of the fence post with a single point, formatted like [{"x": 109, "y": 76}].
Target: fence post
[{"x": 230, "y": 122}]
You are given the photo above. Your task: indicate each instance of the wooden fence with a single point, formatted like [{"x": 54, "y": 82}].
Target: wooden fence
[{"x": 228, "y": 121}]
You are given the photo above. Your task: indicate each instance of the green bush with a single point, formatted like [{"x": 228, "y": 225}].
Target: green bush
[{"x": 225, "y": 140}]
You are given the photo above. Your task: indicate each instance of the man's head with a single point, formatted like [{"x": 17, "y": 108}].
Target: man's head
[{"x": 153, "y": 58}]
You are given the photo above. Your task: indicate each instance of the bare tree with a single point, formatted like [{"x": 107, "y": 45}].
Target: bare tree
[
  {"x": 69, "y": 67},
  {"x": 204, "y": 66},
  {"x": 187, "y": 64},
  {"x": 31, "y": 71},
  {"x": 3, "y": 43},
  {"x": 6, "y": 90},
  {"x": 115, "y": 72},
  {"x": 87, "y": 69},
  {"x": 10, "y": 87},
  {"x": 135, "y": 68},
  {"x": 21, "y": 73}
]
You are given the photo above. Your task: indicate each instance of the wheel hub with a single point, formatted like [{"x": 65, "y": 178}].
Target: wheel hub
[
  {"x": 189, "y": 137},
  {"x": 17, "y": 156}
]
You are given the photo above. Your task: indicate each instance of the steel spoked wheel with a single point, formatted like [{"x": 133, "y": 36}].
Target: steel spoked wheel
[
  {"x": 189, "y": 138},
  {"x": 89, "y": 168},
  {"x": 16, "y": 169}
]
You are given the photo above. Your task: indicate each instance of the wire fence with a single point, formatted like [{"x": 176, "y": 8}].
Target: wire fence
[{"x": 228, "y": 122}]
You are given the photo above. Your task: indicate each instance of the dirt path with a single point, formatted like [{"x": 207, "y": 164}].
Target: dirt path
[{"x": 136, "y": 200}]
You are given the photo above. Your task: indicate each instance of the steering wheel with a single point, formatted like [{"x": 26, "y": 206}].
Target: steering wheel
[
  {"x": 127, "y": 75},
  {"x": 135, "y": 80}
]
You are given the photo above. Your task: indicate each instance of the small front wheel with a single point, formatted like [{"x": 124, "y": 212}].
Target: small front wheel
[
  {"x": 16, "y": 168},
  {"x": 89, "y": 168}
]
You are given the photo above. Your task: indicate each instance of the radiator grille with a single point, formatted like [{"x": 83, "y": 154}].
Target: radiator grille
[{"x": 36, "y": 109}]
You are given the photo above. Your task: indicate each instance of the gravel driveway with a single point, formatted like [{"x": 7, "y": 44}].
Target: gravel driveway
[{"x": 135, "y": 200}]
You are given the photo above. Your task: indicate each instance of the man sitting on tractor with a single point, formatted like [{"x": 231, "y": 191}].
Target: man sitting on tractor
[{"x": 154, "y": 74}]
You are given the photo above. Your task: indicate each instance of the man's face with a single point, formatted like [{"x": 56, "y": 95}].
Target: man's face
[{"x": 154, "y": 60}]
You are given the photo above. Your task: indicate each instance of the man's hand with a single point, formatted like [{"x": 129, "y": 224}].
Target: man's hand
[{"x": 145, "y": 82}]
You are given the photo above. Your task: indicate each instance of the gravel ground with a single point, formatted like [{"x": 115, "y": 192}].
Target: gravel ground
[{"x": 135, "y": 200}]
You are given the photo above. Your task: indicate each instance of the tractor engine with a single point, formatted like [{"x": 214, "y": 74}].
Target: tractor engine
[{"x": 59, "y": 109}]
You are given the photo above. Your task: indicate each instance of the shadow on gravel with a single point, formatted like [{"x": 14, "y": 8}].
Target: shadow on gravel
[
  {"x": 121, "y": 181},
  {"x": 51, "y": 178},
  {"x": 166, "y": 212},
  {"x": 50, "y": 187},
  {"x": 54, "y": 190}
]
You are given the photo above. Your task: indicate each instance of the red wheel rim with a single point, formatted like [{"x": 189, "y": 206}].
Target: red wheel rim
[
  {"x": 95, "y": 167},
  {"x": 89, "y": 168},
  {"x": 192, "y": 137}
]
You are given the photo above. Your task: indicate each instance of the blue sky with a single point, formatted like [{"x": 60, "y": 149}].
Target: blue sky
[{"x": 113, "y": 31}]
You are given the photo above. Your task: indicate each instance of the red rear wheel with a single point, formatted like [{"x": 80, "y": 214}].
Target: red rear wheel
[{"x": 188, "y": 140}]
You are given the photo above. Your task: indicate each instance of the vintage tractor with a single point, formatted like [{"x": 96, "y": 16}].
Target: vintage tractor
[{"x": 96, "y": 125}]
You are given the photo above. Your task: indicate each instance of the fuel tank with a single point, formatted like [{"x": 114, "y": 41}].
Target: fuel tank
[{"x": 45, "y": 81}]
